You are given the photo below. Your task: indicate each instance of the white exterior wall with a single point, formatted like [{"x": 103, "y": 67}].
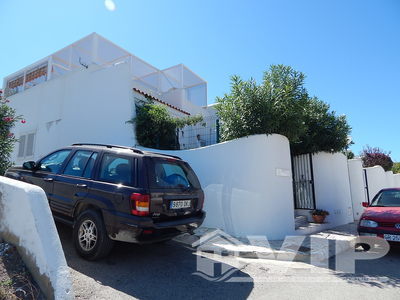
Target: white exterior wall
[
  {"x": 26, "y": 221},
  {"x": 377, "y": 180},
  {"x": 83, "y": 106},
  {"x": 396, "y": 180},
  {"x": 389, "y": 179},
  {"x": 247, "y": 184},
  {"x": 332, "y": 187},
  {"x": 357, "y": 186}
]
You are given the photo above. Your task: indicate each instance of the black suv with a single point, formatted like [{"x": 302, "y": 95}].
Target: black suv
[{"x": 109, "y": 193}]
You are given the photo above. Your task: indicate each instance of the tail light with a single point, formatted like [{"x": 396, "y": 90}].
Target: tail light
[
  {"x": 201, "y": 201},
  {"x": 140, "y": 204}
]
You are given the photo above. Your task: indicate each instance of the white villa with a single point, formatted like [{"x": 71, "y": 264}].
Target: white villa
[{"x": 86, "y": 92}]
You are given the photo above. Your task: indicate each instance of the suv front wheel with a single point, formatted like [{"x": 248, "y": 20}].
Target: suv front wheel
[{"x": 90, "y": 236}]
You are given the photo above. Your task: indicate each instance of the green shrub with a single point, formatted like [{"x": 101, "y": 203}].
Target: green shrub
[
  {"x": 281, "y": 104},
  {"x": 396, "y": 168},
  {"x": 8, "y": 119},
  {"x": 155, "y": 128}
]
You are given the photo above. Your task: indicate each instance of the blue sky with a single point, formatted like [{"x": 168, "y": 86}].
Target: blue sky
[{"x": 349, "y": 50}]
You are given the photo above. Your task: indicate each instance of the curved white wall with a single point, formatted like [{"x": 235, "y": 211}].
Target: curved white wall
[
  {"x": 26, "y": 221},
  {"x": 247, "y": 184},
  {"x": 332, "y": 187},
  {"x": 357, "y": 189}
]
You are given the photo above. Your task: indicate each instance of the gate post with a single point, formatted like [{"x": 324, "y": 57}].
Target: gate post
[{"x": 312, "y": 178}]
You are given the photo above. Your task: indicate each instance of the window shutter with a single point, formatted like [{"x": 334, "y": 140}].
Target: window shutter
[
  {"x": 21, "y": 149},
  {"x": 29, "y": 144}
]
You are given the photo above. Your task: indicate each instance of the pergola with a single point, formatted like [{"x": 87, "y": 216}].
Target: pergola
[{"x": 95, "y": 49}]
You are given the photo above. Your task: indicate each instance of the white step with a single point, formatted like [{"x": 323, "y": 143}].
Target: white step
[{"x": 300, "y": 221}]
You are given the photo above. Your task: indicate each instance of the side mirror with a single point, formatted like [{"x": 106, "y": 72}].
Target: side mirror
[
  {"x": 29, "y": 165},
  {"x": 365, "y": 204}
]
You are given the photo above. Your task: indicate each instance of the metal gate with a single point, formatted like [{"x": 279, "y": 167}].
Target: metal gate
[
  {"x": 366, "y": 188},
  {"x": 303, "y": 182}
]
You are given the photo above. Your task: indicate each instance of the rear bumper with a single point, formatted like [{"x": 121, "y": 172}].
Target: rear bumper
[{"x": 133, "y": 229}]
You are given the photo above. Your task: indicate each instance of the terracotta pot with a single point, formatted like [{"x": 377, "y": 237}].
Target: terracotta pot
[{"x": 318, "y": 219}]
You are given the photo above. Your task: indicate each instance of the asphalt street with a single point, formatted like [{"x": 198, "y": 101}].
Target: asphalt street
[{"x": 172, "y": 270}]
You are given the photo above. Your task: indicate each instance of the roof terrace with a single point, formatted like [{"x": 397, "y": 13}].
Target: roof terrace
[{"x": 96, "y": 50}]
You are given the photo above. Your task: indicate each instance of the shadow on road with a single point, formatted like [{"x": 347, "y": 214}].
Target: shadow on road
[
  {"x": 159, "y": 271},
  {"x": 382, "y": 273}
]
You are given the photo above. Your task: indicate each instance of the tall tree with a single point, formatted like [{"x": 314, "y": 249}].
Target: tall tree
[
  {"x": 274, "y": 106},
  {"x": 281, "y": 104},
  {"x": 325, "y": 131}
]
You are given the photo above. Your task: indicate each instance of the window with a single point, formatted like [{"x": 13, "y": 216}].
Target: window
[
  {"x": 172, "y": 174},
  {"x": 54, "y": 161},
  {"x": 90, "y": 165},
  {"x": 116, "y": 169},
  {"x": 21, "y": 149},
  {"x": 29, "y": 144},
  {"x": 26, "y": 145},
  {"x": 77, "y": 163}
]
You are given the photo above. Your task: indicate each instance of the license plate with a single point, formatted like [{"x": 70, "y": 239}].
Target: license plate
[
  {"x": 180, "y": 204},
  {"x": 392, "y": 237}
]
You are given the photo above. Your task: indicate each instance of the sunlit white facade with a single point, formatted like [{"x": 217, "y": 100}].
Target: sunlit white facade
[{"x": 86, "y": 92}]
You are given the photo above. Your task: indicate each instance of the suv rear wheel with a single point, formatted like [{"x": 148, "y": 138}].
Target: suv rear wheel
[{"x": 90, "y": 236}]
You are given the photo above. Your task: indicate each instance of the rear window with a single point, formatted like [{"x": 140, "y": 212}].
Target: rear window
[{"x": 170, "y": 173}]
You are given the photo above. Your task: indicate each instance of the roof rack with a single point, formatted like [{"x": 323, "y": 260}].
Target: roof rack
[
  {"x": 109, "y": 146},
  {"x": 169, "y": 155}
]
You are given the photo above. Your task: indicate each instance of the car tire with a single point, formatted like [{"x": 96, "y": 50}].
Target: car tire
[{"x": 90, "y": 236}]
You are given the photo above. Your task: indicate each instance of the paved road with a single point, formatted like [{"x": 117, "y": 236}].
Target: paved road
[{"x": 166, "y": 271}]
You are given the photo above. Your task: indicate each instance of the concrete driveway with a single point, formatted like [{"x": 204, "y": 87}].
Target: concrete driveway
[
  {"x": 165, "y": 271},
  {"x": 161, "y": 271}
]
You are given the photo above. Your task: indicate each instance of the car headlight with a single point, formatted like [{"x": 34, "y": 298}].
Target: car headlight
[{"x": 368, "y": 223}]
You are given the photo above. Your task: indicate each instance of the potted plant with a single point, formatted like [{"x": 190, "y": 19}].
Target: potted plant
[{"x": 319, "y": 215}]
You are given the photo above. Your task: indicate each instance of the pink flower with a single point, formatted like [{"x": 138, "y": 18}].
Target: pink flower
[
  {"x": 8, "y": 119},
  {"x": 10, "y": 134},
  {"x": 23, "y": 121}
]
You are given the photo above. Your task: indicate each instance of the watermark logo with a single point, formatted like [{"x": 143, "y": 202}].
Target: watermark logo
[
  {"x": 217, "y": 243},
  {"x": 221, "y": 257}
]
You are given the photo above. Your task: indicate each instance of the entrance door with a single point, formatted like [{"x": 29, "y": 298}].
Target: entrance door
[{"x": 303, "y": 182}]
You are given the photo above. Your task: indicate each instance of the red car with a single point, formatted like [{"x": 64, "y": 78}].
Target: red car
[{"x": 381, "y": 218}]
